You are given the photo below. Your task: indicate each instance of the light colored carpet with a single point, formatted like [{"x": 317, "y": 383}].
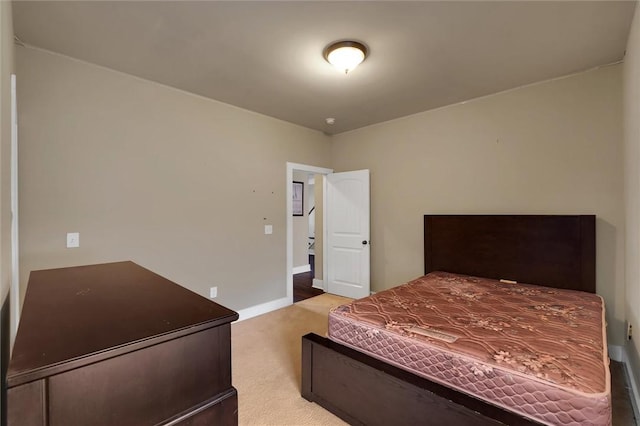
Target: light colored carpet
[{"x": 266, "y": 354}]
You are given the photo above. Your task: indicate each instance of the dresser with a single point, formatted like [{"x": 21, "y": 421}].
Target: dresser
[{"x": 116, "y": 344}]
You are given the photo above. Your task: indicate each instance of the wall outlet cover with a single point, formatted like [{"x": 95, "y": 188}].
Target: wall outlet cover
[
  {"x": 73, "y": 239},
  {"x": 213, "y": 292}
]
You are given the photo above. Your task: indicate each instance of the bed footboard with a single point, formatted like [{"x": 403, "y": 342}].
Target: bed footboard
[{"x": 363, "y": 390}]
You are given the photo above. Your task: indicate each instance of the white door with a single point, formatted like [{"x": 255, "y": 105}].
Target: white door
[{"x": 348, "y": 245}]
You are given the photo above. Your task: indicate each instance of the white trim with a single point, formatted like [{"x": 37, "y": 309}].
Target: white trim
[
  {"x": 263, "y": 308},
  {"x": 289, "y": 213},
  {"x": 616, "y": 353},
  {"x": 325, "y": 248},
  {"x": 301, "y": 269},
  {"x": 15, "y": 269},
  {"x": 318, "y": 284},
  {"x": 634, "y": 385}
]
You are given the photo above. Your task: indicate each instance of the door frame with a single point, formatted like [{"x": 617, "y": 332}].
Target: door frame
[
  {"x": 289, "y": 212},
  {"x": 14, "y": 302}
]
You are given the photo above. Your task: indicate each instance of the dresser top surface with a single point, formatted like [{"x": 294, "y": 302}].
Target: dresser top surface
[{"x": 83, "y": 314}]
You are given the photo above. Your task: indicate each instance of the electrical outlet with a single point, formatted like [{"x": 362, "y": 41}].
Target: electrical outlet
[
  {"x": 73, "y": 239},
  {"x": 629, "y": 331},
  {"x": 213, "y": 292}
]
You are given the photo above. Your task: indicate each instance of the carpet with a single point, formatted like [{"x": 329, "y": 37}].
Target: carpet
[{"x": 266, "y": 353}]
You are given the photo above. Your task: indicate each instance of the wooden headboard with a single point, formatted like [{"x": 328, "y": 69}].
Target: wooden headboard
[{"x": 555, "y": 251}]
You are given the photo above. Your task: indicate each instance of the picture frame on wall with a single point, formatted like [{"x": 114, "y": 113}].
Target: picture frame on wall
[{"x": 298, "y": 198}]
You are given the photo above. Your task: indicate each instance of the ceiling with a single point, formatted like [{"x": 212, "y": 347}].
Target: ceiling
[{"x": 266, "y": 56}]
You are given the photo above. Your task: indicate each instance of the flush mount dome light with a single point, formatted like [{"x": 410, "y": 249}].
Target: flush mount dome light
[{"x": 345, "y": 55}]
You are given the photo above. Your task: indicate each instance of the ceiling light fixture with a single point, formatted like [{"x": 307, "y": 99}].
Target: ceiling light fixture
[{"x": 345, "y": 55}]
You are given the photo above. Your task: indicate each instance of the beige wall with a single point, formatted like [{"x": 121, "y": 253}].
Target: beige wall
[
  {"x": 6, "y": 69},
  {"x": 631, "y": 80},
  {"x": 183, "y": 185},
  {"x": 549, "y": 148},
  {"x": 301, "y": 224},
  {"x": 180, "y": 184}
]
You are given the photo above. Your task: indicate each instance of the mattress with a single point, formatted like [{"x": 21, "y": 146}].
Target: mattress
[{"x": 537, "y": 351}]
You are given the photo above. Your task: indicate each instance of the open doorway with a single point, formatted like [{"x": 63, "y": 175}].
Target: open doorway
[
  {"x": 305, "y": 210},
  {"x": 305, "y": 224}
]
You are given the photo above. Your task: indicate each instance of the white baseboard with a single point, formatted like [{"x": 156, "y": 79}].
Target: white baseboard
[
  {"x": 301, "y": 269},
  {"x": 318, "y": 284},
  {"x": 263, "y": 308},
  {"x": 635, "y": 386}
]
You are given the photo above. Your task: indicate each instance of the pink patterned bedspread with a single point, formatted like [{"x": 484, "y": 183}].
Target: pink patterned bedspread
[{"x": 537, "y": 351}]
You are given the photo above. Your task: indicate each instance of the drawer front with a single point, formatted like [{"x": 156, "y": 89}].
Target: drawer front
[
  {"x": 144, "y": 387},
  {"x": 26, "y": 404}
]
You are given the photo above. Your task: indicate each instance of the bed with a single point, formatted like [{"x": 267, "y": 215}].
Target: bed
[{"x": 363, "y": 387}]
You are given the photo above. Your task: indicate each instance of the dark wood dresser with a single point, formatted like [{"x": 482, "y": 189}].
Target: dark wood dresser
[{"x": 116, "y": 344}]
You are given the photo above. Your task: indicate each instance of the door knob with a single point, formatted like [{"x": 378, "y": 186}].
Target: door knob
[{"x": 365, "y": 242}]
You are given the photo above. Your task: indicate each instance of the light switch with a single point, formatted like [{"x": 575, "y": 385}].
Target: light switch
[
  {"x": 268, "y": 229},
  {"x": 73, "y": 239}
]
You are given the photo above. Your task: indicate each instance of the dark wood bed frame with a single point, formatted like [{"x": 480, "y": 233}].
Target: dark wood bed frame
[{"x": 556, "y": 251}]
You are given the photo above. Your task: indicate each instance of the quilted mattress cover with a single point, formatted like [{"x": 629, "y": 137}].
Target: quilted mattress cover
[{"x": 538, "y": 351}]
